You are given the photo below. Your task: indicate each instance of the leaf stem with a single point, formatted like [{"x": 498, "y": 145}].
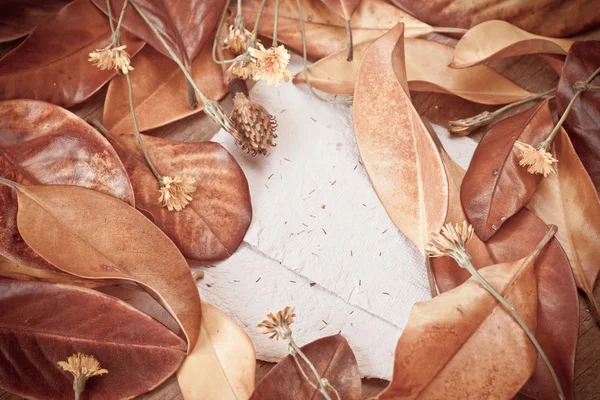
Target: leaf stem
[
  {"x": 310, "y": 88},
  {"x": 276, "y": 23},
  {"x": 349, "y": 46},
  {"x": 464, "y": 261},
  {"x": 211, "y": 107},
  {"x": 322, "y": 388},
  {"x": 548, "y": 141}
]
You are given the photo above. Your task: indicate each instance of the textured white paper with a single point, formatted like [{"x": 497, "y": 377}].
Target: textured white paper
[{"x": 318, "y": 220}]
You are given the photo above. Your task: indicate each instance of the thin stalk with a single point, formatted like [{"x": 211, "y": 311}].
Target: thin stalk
[
  {"x": 548, "y": 141},
  {"x": 239, "y": 8},
  {"x": 220, "y": 27},
  {"x": 322, "y": 387},
  {"x": 257, "y": 23},
  {"x": 465, "y": 262},
  {"x": 118, "y": 28},
  {"x": 99, "y": 127},
  {"x": 523, "y": 101},
  {"x": 310, "y": 88},
  {"x": 276, "y": 23},
  {"x": 304, "y": 373},
  {"x": 431, "y": 278},
  {"x": 350, "y": 49}
]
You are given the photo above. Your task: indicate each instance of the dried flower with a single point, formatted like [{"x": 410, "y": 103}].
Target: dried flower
[
  {"x": 450, "y": 239},
  {"x": 271, "y": 64},
  {"x": 175, "y": 192},
  {"x": 243, "y": 69},
  {"x": 238, "y": 39},
  {"x": 111, "y": 57},
  {"x": 537, "y": 160},
  {"x": 278, "y": 325},
  {"x": 256, "y": 127},
  {"x": 82, "y": 367},
  {"x": 463, "y": 127}
]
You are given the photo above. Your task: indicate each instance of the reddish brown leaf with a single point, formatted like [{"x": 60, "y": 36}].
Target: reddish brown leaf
[
  {"x": 325, "y": 30},
  {"x": 334, "y": 360},
  {"x": 42, "y": 144},
  {"x": 159, "y": 91},
  {"x": 426, "y": 71},
  {"x": 400, "y": 156},
  {"x": 214, "y": 224},
  {"x": 583, "y": 121},
  {"x": 463, "y": 343},
  {"x": 558, "y": 311},
  {"x": 185, "y": 25},
  {"x": 496, "y": 39},
  {"x": 52, "y": 63},
  {"x": 496, "y": 187},
  {"x": 569, "y": 200},
  {"x": 18, "y": 19},
  {"x": 557, "y": 18},
  {"x": 92, "y": 235},
  {"x": 138, "y": 352}
]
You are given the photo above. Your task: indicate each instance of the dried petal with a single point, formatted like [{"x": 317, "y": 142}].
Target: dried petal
[
  {"x": 111, "y": 57},
  {"x": 537, "y": 160},
  {"x": 175, "y": 192},
  {"x": 83, "y": 367},
  {"x": 237, "y": 40},
  {"x": 243, "y": 69},
  {"x": 271, "y": 64},
  {"x": 278, "y": 325},
  {"x": 256, "y": 127},
  {"x": 452, "y": 238}
]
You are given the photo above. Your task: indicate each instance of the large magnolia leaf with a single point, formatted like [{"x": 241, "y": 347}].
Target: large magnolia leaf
[
  {"x": 222, "y": 365},
  {"x": 42, "y": 144},
  {"x": 398, "y": 152},
  {"x": 557, "y": 18},
  {"x": 558, "y": 305},
  {"x": 426, "y": 71},
  {"x": 332, "y": 358},
  {"x": 213, "y": 225},
  {"x": 18, "y": 19},
  {"x": 93, "y": 235},
  {"x": 463, "y": 343},
  {"x": 159, "y": 91},
  {"x": 43, "y": 323},
  {"x": 185, "y": 25},
  {"x": 569, "y": 200},
  {"x": 497, "y": 39},
  {"x": 325, "y": 30},
  {"x": 496, "y": 187},
  {"x": 52, "y": 63},
  {"x": 584, "y": 118}
]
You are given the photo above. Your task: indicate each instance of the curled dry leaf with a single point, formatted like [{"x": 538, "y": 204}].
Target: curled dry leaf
[
  {"x": 559, "y": 18},
  {"x": 333, "y": 359},
  {"x": 400, "y": 156},
  {"x": 325, "y": 30},
  {"x": 43, "y": 323},
  {"x": 43, "y": 144},
  {"x": 426, "y": 71},
  {"x": 463, "y": 343},
  {"x": 213, "y": 225},
  {"x": 569, "y": 200},
  {"x": 92, "y": 235},
  {"x": 584, "y": 118},
  {"x": 223, "y": 363},
  {"x": 18, "y": 19},
  {"x": 13, "y": 270},
  {"x": 558, "y": 305},
  {"x": 496, "y": 187},
  {"x": 497, "y": 39},
  {"x": 159, "y": 94},
  {"x": 52, "y": 63}
]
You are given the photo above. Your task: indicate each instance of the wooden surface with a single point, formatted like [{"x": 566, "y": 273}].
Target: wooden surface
[{"x": 532, "y": 73}]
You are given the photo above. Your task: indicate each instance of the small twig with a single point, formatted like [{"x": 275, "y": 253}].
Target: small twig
[
  {"x": 276, "y": 23},
  {"x": 350, "y": 49}
]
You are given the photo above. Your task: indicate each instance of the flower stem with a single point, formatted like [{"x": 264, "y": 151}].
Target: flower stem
[
  {"x": 220, "y": 27},
  {"x": 276, "y": 23},
  {"x": 350, "y": 49},
  {"x": 310, "y": 88},
  {"x": 548, "y": 141},
  {"x": 257, "y": 23},
  {"x": 211, "y": 107},
  {"x": 523, "y": 101},
  {"x": 322, "y": 388},
  {"x": 466, "y": 263}
]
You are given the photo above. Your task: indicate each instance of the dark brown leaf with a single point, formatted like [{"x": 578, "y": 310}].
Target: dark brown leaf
[
  {"x": 43, "y": 144},
  {"x": 334, "y": 360},
  {"x": 43, "y": 323},
  {"x": 52, "y": 63},
  {"x": 583, "y": 122},
  {"x": 213, "y": 225},
  {"x": 496, "y": 187},
  {"x": 18, "y": 18},
  {"x": 559, "y": 18}
]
